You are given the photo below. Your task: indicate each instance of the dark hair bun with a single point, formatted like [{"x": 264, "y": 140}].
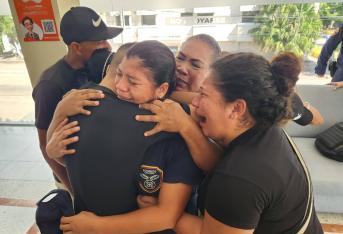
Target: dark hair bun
[
  {"x": 286, "y": 68},
  {"x": 248, "y": 76}
]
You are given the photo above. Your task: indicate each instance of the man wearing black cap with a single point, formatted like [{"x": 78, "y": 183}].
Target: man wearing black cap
[{"x": 82, "y": 31}]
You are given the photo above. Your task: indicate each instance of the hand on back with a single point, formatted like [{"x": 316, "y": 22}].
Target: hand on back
[{"x": 75, "y": 101}]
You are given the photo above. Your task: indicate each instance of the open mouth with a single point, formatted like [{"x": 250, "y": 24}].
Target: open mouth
[{"x": 202, "y": 120}]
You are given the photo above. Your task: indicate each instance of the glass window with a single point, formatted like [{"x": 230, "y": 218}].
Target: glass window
[
  {"x": 148, "y": 19},
  {"x": 127, "y": 20}
]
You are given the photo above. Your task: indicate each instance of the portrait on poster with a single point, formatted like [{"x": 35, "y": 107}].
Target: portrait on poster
[{"x": 37, "y": 21}]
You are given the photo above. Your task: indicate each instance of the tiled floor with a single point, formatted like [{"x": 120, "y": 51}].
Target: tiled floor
[
  {"x": 25, "y": 178},
  {"x": 16, "y": 220}
]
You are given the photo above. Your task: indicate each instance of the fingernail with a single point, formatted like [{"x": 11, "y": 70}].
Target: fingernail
[
  {"x": 88, "y": 112},
  {"x": 137, "y": 117},
  {"x": 97, "y": 103},
  {"x": 76, "y": 138}
]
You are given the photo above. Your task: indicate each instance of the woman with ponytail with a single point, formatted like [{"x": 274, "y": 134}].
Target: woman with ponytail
[
  {"x": 260, "y": 185},
  {"x": 289, "y": 66}
]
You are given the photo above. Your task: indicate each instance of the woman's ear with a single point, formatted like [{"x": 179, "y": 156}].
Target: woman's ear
[
  {"x": 236, "y": 109},
  {"x": 162, "y": 90}
]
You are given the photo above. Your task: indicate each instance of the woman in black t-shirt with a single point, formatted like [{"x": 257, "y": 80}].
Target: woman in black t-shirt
[
  {"x": 303, "y": 113},
  {"x": 260, "y": 185}
]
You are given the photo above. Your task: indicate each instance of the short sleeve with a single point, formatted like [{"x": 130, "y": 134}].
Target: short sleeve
[
  {"x": 46, "y": 96},
  {"x": 306, "y": 118},
  {"x": 301, "y": 115},
  {"x": 179, "y": 166},
  {"x": 235, "y": 202}
]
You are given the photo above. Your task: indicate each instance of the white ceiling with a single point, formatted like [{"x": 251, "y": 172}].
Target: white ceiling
[
  {"x": 115, "y": 5},
  {"x": 106, "y": 5}
]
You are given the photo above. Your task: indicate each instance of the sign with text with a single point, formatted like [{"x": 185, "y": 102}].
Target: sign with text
[
  {"x": 211, "y": 20},
  {"x": 197, "y": 20},
  {"x": 36, "y": 19}
]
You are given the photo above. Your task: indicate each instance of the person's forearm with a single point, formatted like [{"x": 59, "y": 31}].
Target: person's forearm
[
  {"x": 204, "y": 153},
  {"x": 317, "y": 117},
  {"x": 60, "y": 161},
  {"x": 145, "y": 220},
  {"x": 183, "y": 96},
  {"x": 188, "y": 224},
  {"x": 338, "y": 84},
  {"x": 59, "y": 170},
  {"x": 57, "y": 118}
]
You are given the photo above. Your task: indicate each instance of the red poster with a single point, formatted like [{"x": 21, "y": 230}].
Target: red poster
[{"x": 37, "y": 21}]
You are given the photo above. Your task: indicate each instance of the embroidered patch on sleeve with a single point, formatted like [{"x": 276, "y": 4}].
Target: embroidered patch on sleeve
[{"x": 150, "y": 178}]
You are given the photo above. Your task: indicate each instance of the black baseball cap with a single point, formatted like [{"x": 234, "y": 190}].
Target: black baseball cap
[
  {"x": 83, "y": 24},
  {"x": 51, "y": 208}
]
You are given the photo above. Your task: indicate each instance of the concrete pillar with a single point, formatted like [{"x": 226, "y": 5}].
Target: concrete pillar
[{"x": 40, "y": 55}]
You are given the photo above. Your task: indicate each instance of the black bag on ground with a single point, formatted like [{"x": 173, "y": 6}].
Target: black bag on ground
[{"x": 330, "y": 142}]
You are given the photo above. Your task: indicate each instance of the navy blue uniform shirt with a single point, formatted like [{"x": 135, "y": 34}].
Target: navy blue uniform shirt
[
  {"x": 168, "y": 161},
  {"x": 327, "y": 51}
]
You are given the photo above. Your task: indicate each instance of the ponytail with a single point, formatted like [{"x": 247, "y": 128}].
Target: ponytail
[{"x": 285, "y": 69}]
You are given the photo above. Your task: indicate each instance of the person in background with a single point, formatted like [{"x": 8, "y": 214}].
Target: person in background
[
  {"x": 83, "y": 32},
  {"x": 184, "y": 96},
  {"x": 303, "y": 112},
  {"x": 336, "y": 85},
  {"x": 193, "y": 60},
  {"x": 327, "y": 51}
]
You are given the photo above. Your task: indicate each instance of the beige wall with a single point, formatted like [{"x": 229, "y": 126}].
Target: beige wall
[{"x": 40, "y": 55}]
